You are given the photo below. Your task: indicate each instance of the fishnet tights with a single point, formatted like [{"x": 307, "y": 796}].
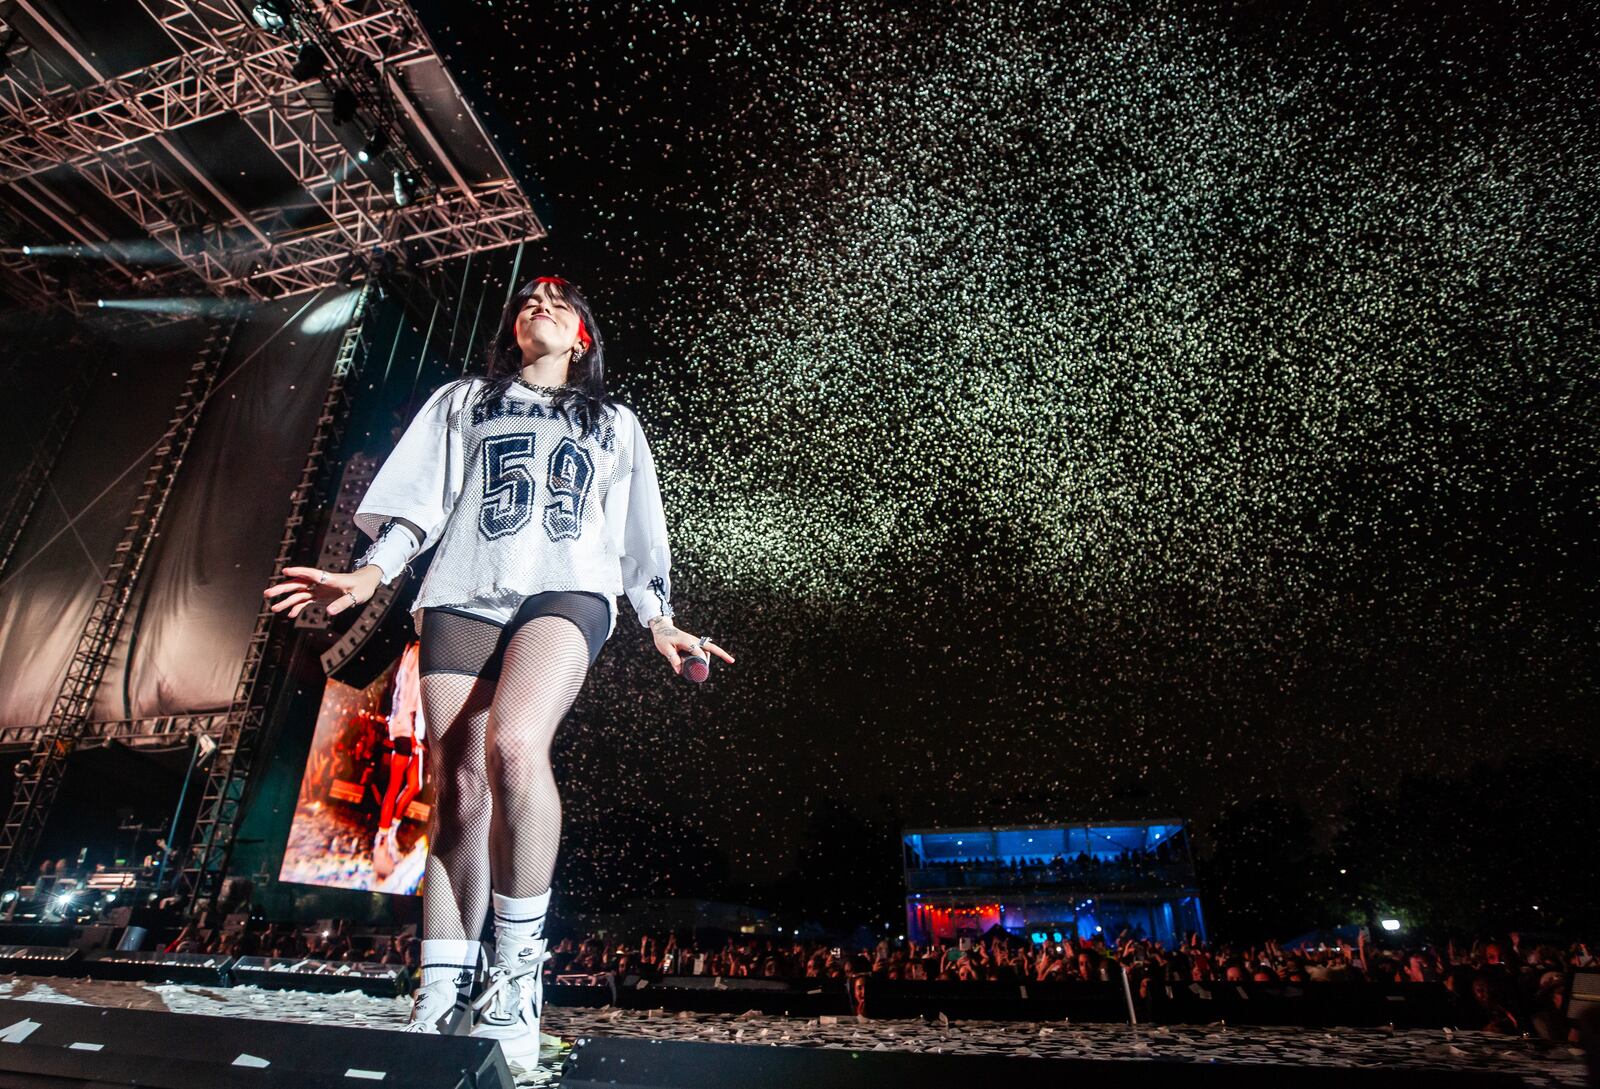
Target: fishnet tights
[
  {"x": 496, "y": 809},
  {"x": 455, "y": 891},
  {"x": 543, "y": 669}
]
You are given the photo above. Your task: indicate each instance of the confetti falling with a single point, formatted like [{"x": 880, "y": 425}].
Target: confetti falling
[{"x": 1081, "y": 411}]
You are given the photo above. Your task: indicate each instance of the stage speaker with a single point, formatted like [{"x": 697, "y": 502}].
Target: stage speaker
[
  {"x": 325, "y": 976},
  {"x": 721, "y": 994},
  {"x": 49, "y": 1043},
  {"x": 614, "y": 1062},
  {"x": 206, "y": 969}
]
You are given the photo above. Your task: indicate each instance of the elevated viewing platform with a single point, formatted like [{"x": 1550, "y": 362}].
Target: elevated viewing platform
[{"x": 1049, "y": 881}]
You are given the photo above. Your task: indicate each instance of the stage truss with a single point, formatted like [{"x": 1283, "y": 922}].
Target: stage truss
[
  {"x": 111, "y": 191},
  {"x": 120, "y": 134}
]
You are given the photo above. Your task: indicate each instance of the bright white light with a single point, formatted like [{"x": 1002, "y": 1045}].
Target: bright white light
[
  {"x": 1390, "y": 924},
  {"x": 11, "y": 894},
  {"x": 333, "y": 314},
  {"x": 63, "y": 900},
  {"x": 27, "y": 251}
]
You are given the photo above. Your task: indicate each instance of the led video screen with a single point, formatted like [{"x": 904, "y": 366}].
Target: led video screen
[{"x": 361, "y": 821}]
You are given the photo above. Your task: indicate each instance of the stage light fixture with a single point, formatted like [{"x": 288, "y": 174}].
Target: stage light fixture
[
  {"x": 27, "y": 251},
  {"x": 270, "y": 16},
  {"x": 310, "y": 63},
  {"x": 1390, "y": 925},
  {"x": 405, "y": 187},
  {"x": 376, "y": 142},
  {"x": 205, "y": 745}
]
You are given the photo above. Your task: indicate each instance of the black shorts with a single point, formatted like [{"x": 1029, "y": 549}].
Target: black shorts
[{"x": 456, "y": 641}]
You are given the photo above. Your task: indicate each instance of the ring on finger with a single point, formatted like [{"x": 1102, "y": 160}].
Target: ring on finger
[
  {"x": 322, "y": 577},
  {"x": 351, "y": 594}
]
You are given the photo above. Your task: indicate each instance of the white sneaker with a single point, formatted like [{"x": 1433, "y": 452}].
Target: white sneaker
[
  {"x": 383, "y": 855},
  {"x": 510, "y": 1006},
  {"x": 438, "y": 1008}
]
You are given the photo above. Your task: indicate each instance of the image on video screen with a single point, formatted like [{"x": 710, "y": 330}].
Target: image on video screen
[{"x": 362, "y": 817}]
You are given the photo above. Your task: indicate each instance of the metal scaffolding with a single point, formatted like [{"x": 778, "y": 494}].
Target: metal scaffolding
[
  {"x": 222, "y": 805},
  {"x": 39, "y": 776},
  {"x": 48, "y": 447},
  {"x": 116, "y": 133},
  {"x": 154, "y": 732},
  {"x": 108, "y": 189}
]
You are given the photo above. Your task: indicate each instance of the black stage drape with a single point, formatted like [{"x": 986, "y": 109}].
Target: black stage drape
[{"x": 192, "y": 613}]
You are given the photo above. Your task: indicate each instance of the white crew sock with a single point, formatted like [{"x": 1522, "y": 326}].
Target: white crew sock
[
  {"x": 519, "y": 917},
  {"x": 447, "y": 959}
]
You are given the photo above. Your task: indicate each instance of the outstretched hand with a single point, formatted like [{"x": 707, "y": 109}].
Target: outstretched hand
[
  {"x": 673, "y": 642},
  {"x": 304, "y": 586}
]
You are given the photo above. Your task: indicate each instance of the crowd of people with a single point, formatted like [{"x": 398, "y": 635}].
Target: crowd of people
[
  {"x": 336, "y": 942},
  {"x": 1103, "y": 870},
  {"x": 1509, "y": 986}
]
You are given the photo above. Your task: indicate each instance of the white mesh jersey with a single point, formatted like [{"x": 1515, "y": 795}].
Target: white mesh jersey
[{"x": 518, "y": 501}]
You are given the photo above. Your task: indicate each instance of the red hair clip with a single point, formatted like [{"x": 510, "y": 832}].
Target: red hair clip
[{"x": 583, "y": 332}]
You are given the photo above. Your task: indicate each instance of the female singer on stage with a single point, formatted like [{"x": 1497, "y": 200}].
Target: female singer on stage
[{"x": 538, "y": 491}]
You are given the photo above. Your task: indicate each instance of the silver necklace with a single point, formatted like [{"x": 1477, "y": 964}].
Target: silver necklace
[{"x": 548, "y": 390}]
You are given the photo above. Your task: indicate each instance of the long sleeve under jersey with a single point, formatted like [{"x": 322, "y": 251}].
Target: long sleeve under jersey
[{"x": 517, "y": 501}]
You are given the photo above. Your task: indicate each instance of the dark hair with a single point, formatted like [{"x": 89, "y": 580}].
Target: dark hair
[{"x": 585, "y": 394}]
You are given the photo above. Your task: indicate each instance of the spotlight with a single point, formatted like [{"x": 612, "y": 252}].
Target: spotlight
[
  {"x": 64, "y": 900},
  {"x": 310, "y": 63},
  {"x": 405, "y": 187},
  {"x": 1390, "y": 925},
  {"x": 10, "y": 895},
  {"x": 376, "y": 142},
  {"x": 206, "y": 746},
  {"x": 27, "y": 251},
  {"x": 270, "y": 16}
]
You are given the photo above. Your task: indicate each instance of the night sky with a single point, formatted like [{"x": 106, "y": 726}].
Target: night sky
[{"x": 1068, "y": 411}]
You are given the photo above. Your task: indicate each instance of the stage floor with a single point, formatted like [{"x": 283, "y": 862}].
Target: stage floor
[{"x": 1538, "y": 1065}]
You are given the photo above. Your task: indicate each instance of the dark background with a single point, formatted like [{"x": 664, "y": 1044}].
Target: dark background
[
  {"x": 1089, "y": 411},
  {"x": 1085, "y": 411}
]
